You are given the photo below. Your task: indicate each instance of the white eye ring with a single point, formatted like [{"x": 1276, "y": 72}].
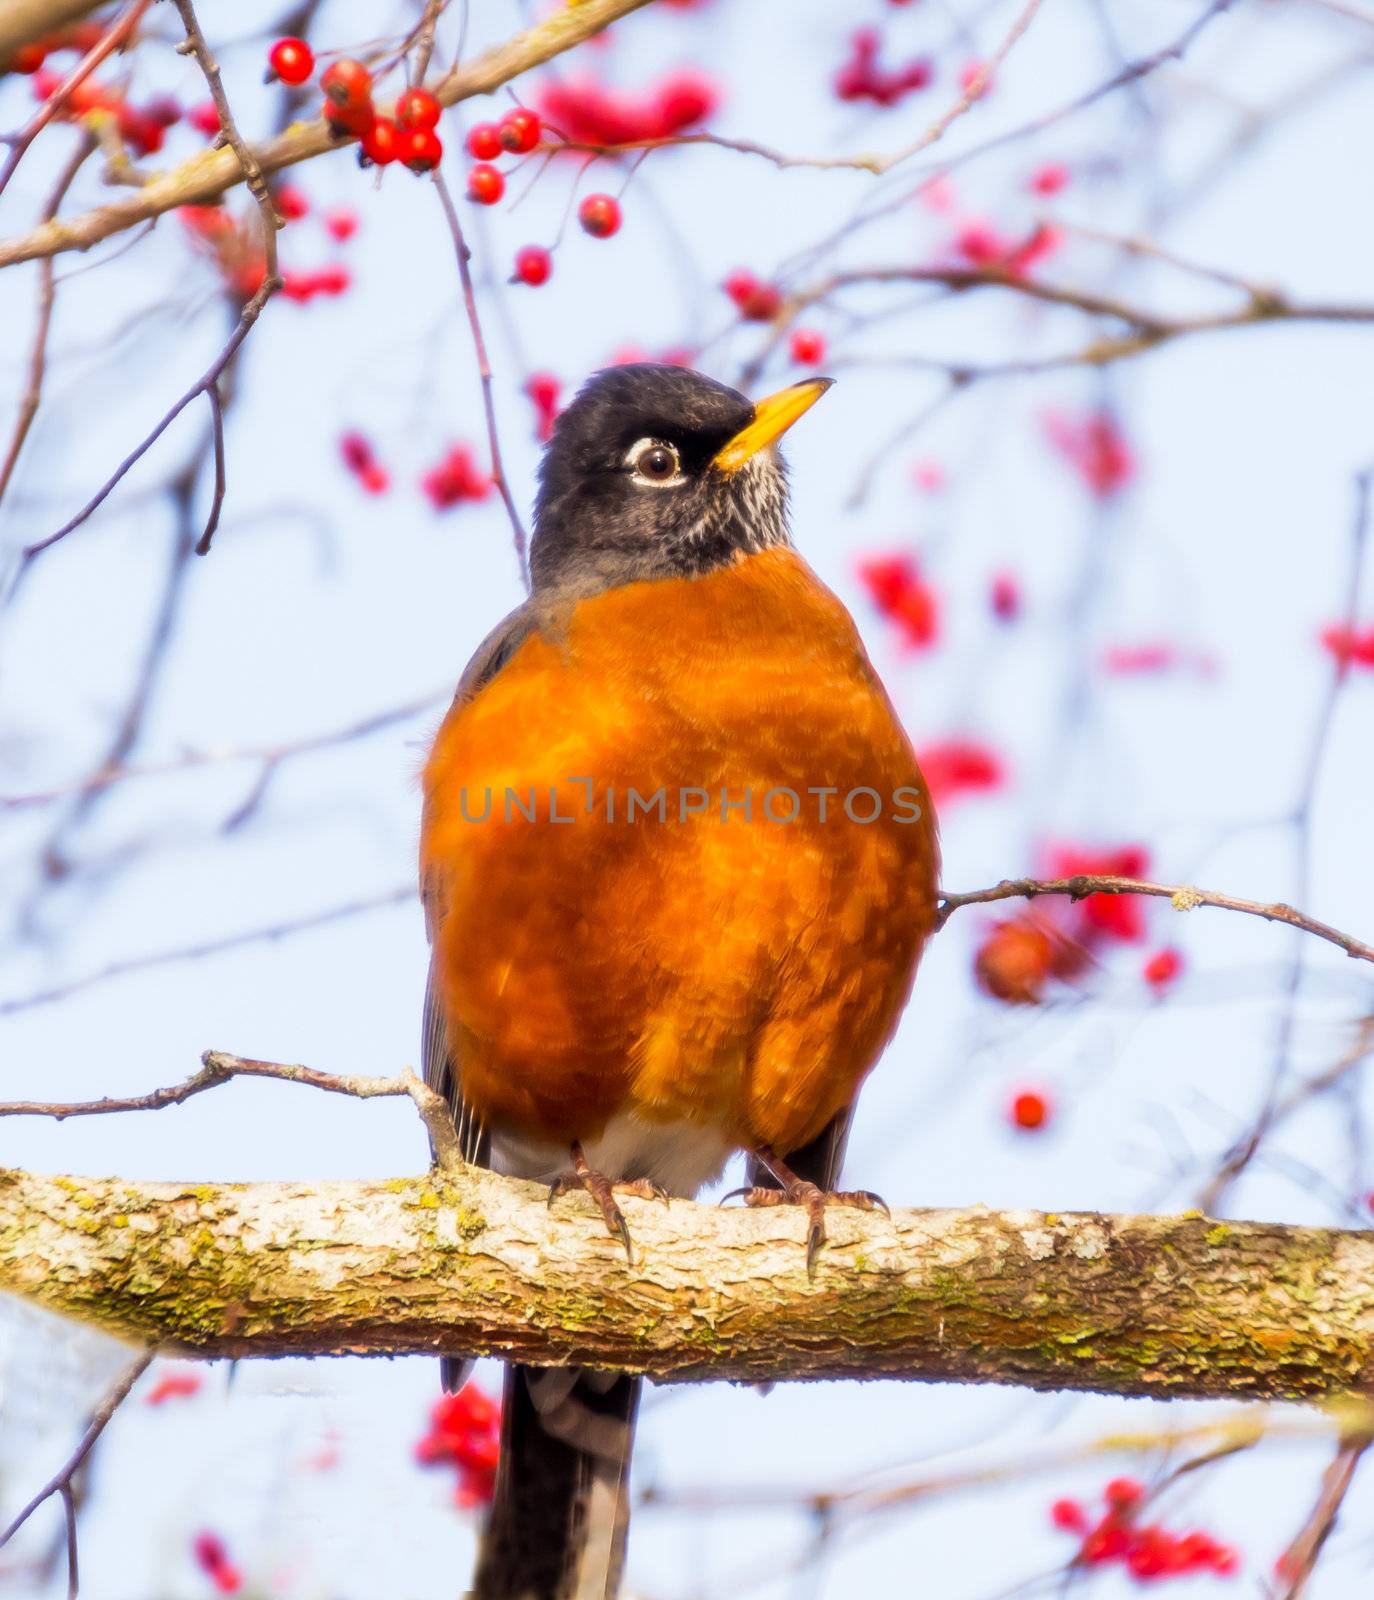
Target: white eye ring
[{"x": 641, "y": 448}]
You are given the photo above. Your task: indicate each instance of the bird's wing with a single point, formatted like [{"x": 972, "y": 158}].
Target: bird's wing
[{"x": 440, "y": 1071}]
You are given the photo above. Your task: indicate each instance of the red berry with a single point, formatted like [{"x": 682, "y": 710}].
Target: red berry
[
  {"x": 484, "y": 142},
  {"x": 417, "y": 108},
  {"x": 519, "y": 131},
  {"x": 599, "y": 215},
  {"x": 1105, "y": 1543},
  {"x": 28, "y": 58},
  {"x": 421, "y": 149},
  {"x": 381, "y": 143},
  {"x": 1050, "y": 178},
  {"x": 808, "y": 347},
  {"x": 291, "y": 203},
  {"x": 1122, "y": 1493},
  {"x": 349, "y": 120},
  {"x": 204, "y": 118},
  {"x": 1030, "y": 1109},
  {"x": 1162, "y": 968},
  {"x": 1226, "y": 1560},
  {"x": 1004, "y": 597},
  {"x": 292, "y": 60},
  {"x": 1069, "y": 1515},
  {"x": 757, "y": 302},
  {"x": 341, "y": 223},
  {"x": 347, "y": 82},
  {"x": 164, "y": 109},
  {"x": 485, "y": 184},
  {"x": 533, "y": 264}
]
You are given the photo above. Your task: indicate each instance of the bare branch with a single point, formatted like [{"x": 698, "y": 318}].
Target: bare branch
[
  {"x": 211, "y": 947},
  {"x": 38, "y": 355},
  {"x": 1296, "y": 1564},
  {"x": 218, "y": 1067},
  {"x": 498, "y": 471},
  {"x": 61, "y": 1483},
  {"x": 1183, "y": 896}
]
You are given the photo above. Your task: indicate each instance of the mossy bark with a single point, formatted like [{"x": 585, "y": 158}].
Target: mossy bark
[{"x": 470, "y": 1262}]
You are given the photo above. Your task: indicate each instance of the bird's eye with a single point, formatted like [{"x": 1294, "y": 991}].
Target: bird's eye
[{"x": 652, "y": 461}]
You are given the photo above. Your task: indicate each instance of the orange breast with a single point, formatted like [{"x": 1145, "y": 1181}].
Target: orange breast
[{"x": 666, "y": 952}]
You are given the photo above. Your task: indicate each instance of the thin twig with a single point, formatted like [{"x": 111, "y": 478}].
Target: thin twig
[
  {"x": 219, "y": 1067},
  {"x": 1244, "y": 1149},
  {"x": 1183, "y": 896},
  {"x": 270, "y": 756},
  {"x": 114, "y": 38},
  {"x": 38, "y": 357},
  {"x": 194, "y": 44},
  {"x": 1296, "y": 1564},
  {"x": 61, "y": 1482},
  {"x": 498, "y": 471},
  {"x": 214, "y": 947}
]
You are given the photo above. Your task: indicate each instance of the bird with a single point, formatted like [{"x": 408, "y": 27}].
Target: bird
[{"x": 678, "y": 864}]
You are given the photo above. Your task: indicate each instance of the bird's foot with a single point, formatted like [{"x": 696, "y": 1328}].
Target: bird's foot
[
  {"x": 603, "y": 1191},
  {"x": 795, "y": 1191}
]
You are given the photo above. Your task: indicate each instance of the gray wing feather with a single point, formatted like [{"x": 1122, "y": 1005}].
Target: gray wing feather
[{"x": 440, "y": 1070}]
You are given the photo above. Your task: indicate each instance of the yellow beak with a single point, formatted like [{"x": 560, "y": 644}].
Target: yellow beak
[{"x": 772, "y": 418}]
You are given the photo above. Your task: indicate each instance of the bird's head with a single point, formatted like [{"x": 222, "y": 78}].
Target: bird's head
[{"x": 656, "y": 472}]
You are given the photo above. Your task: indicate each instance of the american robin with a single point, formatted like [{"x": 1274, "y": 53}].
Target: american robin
[{"x": 678, "y": 864}]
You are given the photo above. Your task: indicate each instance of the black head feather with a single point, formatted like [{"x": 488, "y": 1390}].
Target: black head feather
[{"x": 614, "y": 507}]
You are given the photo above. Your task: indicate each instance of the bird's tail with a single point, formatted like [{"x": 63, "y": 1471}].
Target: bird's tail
[{"x": 561, "y": 1513}]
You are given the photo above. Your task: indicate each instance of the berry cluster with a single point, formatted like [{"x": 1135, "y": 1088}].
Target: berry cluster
[
  {"x": 142, "y": 128},
  {"x": 980, "y": 245},
  {"x": 1148, "y": 1552},
  {"x": 236, "y": 249},
  {"x": 456, "y": 478},
  {"x": 465, "y": 1430},
  {"x": 517, "y": 133},
  {"x": 585, "y": 112},
  {"x": 754, "y": 300},
  {"x": 212, "y": 1558},
  {"x": 903, "y": 597},
  {"x": 361, "y": 460},
  {"x": 1019, "y": 956},
  {"x": 410, "y": 135},
  {"x": 861, "y": 78}
]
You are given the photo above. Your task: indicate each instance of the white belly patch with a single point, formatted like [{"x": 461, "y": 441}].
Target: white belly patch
[{"x": 680, "y": 1156}]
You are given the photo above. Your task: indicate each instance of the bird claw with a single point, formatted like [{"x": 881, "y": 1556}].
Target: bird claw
[
  {"x": 603, "y": 1191},
  {"x": 799, "y": 1192}
]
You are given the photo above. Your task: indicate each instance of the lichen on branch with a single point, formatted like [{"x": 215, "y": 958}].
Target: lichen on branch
[{"x": 468, "y": 1261}]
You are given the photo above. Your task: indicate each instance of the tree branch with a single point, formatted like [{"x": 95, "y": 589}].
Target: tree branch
[
  {"x": 468, "y": 1261},
  {"x": 206, "y": 176},
  {"x": 1183, "y": 896}
]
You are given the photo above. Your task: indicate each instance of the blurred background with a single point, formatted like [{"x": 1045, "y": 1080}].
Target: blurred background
[{"x": 1089, "y": 481}]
